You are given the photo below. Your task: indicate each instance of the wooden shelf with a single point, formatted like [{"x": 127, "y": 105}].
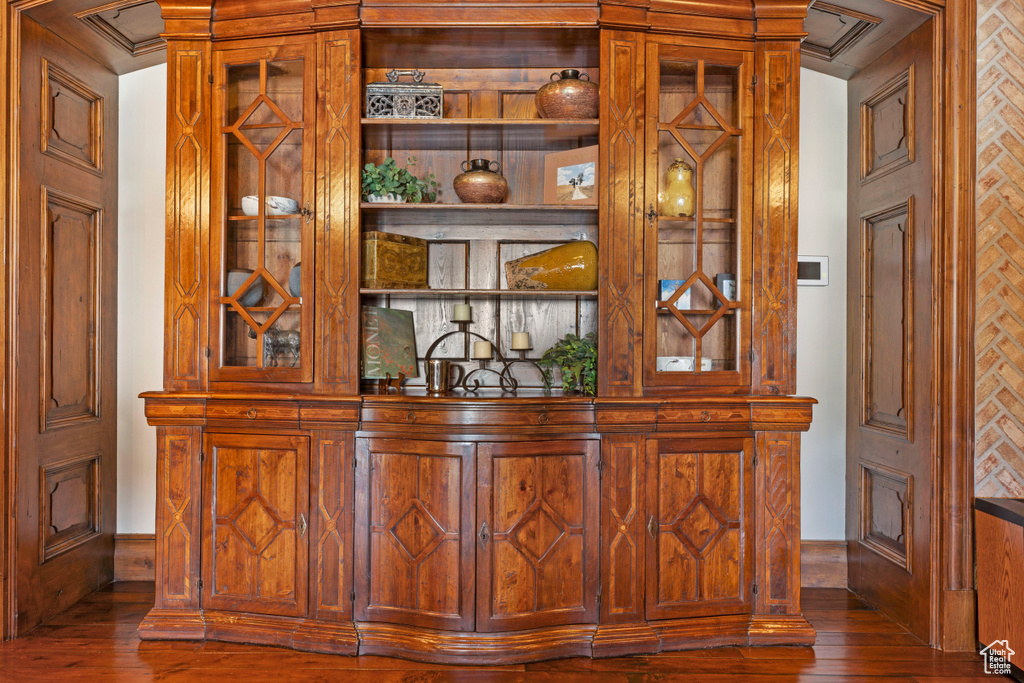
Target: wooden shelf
[
  {"x": 690, "y": 220},
  {"x": 503, "y": 293},
  {"x": 539, "y": 134},
  {"x": 663, "y": 309},
  {"x": 279, "y": 217},
  {"x": 396, "y": 215},
  {"x": 292, "y": 308}
]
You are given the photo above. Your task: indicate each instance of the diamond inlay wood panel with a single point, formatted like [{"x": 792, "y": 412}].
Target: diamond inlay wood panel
[
  {"x": 414, "y": 547},
  {"x": 256, "y": 529},
  {"x": 697, "y": 560},
  {"x": 537, "y": 544},
  {"x": 999, "y": 417}
]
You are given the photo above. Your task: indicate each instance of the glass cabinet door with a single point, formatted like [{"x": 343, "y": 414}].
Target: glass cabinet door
[
  {"x": 262, "y": 199},
  {"x": 698, "y": 201}
]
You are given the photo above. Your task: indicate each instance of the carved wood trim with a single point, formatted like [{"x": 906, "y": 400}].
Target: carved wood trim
[
  {"x": 188, "y": 215},
  {"x": 858, "y": 29},
  {"x": 178, "y": 514},
  {"x": 102, "y": 25},
  {"x": 52, "y": 414},
  {"x": 338, "y": 190},
  {"x": 330, "y": 525},
  {"x": 773, "y": 302},
  {"x": 623, "y": 503},
  {"x": 621, "y": 229},
  {"x": 956, "y": 320},
  {"x": 778, "y": 523}
]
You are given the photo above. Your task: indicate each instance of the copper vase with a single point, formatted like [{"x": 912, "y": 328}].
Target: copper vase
[
  {"x": 569, "y": 95},
  {"x": 478, "y": 184}
]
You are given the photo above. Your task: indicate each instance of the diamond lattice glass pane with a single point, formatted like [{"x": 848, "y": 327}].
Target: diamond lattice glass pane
[
  {"x": 284, "y": 87},
  {"x": 239, "y": 342},
  {"x": 240, "y": 244},
  {"x": 243, "y": 87},
  {"x": 721, "y": 182},
  {"x": 284, "y": 176}
]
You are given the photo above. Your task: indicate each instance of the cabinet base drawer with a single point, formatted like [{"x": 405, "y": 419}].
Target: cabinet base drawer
[
  {"x": 251, "y": 412},
  {"x": 500, "y": 417}
]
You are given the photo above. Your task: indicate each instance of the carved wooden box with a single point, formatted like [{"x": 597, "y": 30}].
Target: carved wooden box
[
  {"x": 394, "y": 261},
  {"x": 396, "y": 100}
]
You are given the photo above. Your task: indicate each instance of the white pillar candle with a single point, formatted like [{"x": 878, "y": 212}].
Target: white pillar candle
[
  {"x": 520, "y": 341},
  {"x": 482, "y": 350},
  {"x": 462, "y": 313}
]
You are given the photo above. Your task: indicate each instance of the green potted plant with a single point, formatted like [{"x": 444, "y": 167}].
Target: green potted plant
[
  {"x": 576, "y": 357},
  {"x": 386, "y": 182}
]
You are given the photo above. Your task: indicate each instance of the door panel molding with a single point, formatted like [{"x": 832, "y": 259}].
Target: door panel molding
[
  {"x": 69, "y": 504},
  {"x": 70, "y": 392},
  {"x": 64, "y": 96},
  {"x": 888, "y": 128},
  {"x": 887, "y": 397},
  {"x": 886, "y": 513}
]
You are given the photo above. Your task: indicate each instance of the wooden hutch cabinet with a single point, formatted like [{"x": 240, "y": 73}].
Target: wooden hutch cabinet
[{"x": 299, "y": 506}]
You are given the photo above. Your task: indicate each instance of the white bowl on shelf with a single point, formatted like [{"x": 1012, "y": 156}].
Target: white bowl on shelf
[{"x": 276, "y": 206}]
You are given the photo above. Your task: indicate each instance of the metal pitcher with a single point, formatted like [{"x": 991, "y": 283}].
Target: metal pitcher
[{"x": 439, "y": 376}]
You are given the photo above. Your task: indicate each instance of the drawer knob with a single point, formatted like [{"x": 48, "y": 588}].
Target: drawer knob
[
  {"x": 252, "y": 413},
  {"x": 705, "y": 416},
  {"x": 411, "y": 417},
  {"x": 543, "y": 418}
]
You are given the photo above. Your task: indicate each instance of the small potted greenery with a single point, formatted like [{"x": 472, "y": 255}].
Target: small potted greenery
[
  {"x": 386, "y": 182},
  {"x": 576, "y": 357}
]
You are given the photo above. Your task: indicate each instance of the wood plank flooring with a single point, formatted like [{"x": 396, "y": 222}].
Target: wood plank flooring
[{"x": 96, "y": 640}]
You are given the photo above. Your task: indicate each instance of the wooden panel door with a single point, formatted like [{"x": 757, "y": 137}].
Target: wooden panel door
[
  {"x": 414, "y": 532},
  {"x": 537, "y": 545},
  {"x": 889, "y": 298},
  {"x": 699, "y": 545},
  {"x": 257, "y": 507},
  {"x": 66, "y": 327}
]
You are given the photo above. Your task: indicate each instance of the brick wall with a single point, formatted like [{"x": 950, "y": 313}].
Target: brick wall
[{"x": 999, "y": 452}]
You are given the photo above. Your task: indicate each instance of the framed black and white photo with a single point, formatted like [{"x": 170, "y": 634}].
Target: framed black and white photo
[{"x": 726, "y": 283}]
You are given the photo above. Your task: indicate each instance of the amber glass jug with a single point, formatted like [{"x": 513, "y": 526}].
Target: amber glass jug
[{"x": 677, "y": 199}]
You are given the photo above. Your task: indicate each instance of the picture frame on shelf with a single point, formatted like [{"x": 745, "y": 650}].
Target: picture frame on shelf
[
  {"x": 570, "y": 177},
  {"x": 726, "y": 283},
  {"x": 666, "y": 288}
]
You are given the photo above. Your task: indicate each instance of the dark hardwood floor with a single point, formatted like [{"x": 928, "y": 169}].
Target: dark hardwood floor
[{"x": 96, "y": 641}]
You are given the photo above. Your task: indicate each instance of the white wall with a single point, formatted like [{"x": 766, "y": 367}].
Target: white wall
[
  {"x": 821, "y": 311},
  {"x": 140, "y": 289}
]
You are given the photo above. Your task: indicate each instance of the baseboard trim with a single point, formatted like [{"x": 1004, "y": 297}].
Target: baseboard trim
[
  {"x": 823, "y": 564},
  {"x": 134, "y": 557}
]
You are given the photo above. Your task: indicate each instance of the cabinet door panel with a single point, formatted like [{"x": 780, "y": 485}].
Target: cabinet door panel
[
  {"x": 256, "y": 491},
  {"x": 414, "y": 530},
  {"x": 537, "y": 557},
  {"x": 699, "y": 509}
]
